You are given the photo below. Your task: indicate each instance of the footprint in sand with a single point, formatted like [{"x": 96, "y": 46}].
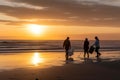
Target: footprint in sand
[{"x": 59, "y": 78}]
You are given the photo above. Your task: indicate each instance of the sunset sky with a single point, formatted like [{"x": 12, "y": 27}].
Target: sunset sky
[{"x": 57, "y": 19}]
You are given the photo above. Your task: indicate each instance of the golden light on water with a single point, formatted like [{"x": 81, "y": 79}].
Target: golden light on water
[
  {"x": 37, "y": 58},
  {"x": 36, "y": 29}
]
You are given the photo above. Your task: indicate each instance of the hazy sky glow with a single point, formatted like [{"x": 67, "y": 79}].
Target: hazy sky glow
[{"x": 75, "y": 18}]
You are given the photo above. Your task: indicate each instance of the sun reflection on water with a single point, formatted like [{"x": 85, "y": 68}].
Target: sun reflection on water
[{"x": 37, "y": 58}]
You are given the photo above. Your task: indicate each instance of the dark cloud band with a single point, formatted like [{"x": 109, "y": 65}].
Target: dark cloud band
[{"x": 66, "y": 12}]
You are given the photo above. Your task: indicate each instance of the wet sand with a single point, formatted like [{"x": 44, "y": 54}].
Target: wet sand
[{"x": 103, "y": 68}]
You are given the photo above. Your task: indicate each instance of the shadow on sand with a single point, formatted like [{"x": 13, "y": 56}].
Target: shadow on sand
[{"x": 70, "y": 60}]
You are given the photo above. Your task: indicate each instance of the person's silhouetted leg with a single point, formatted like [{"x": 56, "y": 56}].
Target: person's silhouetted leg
[
  {"x": 84, "y": 54},
  {"x": 87, "y": 54},
  {"x": 97, "y": 51},
  {"x": 66, "y": 55}
]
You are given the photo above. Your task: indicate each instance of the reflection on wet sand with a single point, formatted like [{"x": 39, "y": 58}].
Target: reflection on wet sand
[
  {"x": 49, "y": 59},
  {"x": 37, "y": 58},
  {"x": 92, "y": 60}
]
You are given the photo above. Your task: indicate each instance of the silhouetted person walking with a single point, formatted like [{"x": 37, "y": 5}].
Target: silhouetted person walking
[
  {"x": 67, "y": 46},
  {"x": 86, "y": 47},
  {"x": 97, "y": 46}
]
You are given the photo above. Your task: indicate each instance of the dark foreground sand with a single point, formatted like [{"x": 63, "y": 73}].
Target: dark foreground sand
[{"x": 89, "y": 71}]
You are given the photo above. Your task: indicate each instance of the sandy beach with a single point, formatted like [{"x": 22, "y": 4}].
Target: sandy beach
[{"x": 104, "y": 68}]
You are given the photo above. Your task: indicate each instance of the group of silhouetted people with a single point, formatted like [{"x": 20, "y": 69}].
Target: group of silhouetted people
[{"x": 87, "y": 49}]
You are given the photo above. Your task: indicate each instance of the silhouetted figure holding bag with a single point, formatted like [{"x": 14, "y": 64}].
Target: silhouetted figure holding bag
[
  {"x": 97, "y": 46},
  {"x": 67, "y": 46}
]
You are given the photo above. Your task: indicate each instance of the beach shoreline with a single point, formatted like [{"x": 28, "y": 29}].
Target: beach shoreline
[{"x": 107, "y": 67}]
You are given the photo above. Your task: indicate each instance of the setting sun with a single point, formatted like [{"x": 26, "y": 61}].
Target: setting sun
[{"x": 36, "y": 29}]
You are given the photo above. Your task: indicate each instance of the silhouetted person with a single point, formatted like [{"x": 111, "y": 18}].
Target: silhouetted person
[
  {"x": 67, "y": 46},
  {"x": 86, "y": 47},
  {"x": 97, "y": 46}
]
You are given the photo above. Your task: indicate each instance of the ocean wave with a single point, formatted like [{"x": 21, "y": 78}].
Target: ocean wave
[{"x": 54, "y": 45}]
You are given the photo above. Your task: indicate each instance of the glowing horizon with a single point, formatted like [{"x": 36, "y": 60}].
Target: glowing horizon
[
  {"x": 35, "y": 29},
  {"x": 38, "y": 32}
]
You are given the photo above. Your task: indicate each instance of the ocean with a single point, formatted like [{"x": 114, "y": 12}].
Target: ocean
[{"x": 52, "y": 45}]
